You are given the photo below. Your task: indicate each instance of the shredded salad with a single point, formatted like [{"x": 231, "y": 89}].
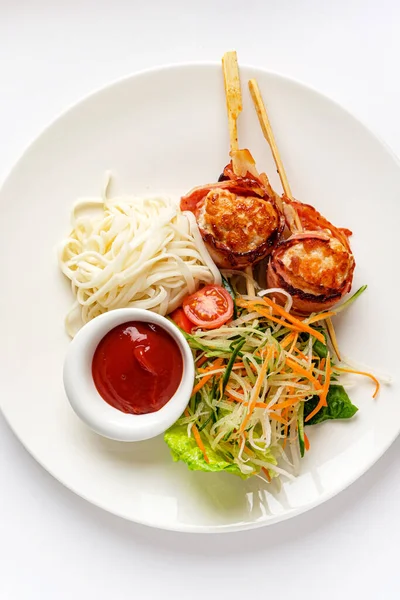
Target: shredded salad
[{"x": 259, "y": 380}]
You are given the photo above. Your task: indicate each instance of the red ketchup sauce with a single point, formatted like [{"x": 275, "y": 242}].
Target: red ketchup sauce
[{"x": 137, "y": 367}]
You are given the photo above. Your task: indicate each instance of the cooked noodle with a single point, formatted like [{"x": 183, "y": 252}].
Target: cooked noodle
[{"x": 138, "y": 252}]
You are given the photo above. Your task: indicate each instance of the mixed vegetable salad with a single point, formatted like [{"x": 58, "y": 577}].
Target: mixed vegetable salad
[{"x": 262, "y": 376}]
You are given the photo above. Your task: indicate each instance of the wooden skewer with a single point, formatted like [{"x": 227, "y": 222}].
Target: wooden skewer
[
  {"x": 233, "y": 95},
  {"x": 269, "y": 135},
  {"x": 234, "y": 105}
]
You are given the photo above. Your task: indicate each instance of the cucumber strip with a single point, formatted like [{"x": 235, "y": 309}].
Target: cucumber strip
[
  {"x": 227, "y": 436},
  {"x": 300, "y": 427},
  {"x": 206, "y": 422},
  {"x": 229, "y": 289},
  {"x": 230, "y": 364}
]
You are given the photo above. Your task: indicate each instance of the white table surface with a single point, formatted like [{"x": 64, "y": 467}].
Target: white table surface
[{"x": 55, "y": 546}]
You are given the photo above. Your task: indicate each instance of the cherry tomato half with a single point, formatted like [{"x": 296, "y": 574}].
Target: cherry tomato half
[
  {"x": 179, "y": 317},
  {"x": 209, "y": 308}
]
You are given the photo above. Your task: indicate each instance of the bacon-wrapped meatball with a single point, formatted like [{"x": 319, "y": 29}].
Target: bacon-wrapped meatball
[
  {"x": 238, "y": 218},
  {"x": 315, "y": 264}
]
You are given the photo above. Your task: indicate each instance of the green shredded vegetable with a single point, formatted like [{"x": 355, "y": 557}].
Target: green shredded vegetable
[
  {"x": 231, "y": 292},
  {"x": 300, "y": 426},
  {"x": 229, "y": 366}
]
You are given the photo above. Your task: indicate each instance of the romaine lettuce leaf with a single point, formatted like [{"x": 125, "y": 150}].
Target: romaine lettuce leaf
[{"x": 339, "y": 406}]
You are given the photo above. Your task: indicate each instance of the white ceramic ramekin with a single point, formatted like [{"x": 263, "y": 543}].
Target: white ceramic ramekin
[{"x": 90, "y": 406}]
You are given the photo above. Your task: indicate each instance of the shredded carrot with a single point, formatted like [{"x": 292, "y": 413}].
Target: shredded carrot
[
  {"x": 374, "y": 379},
  {"x": 287, "y": 340},
  {"x": 321, "y": 316},
  {"x": 287, "y": 403},
  {"x": 240, "y": 365},
  {"x": 301, "y": 354},
  {"x": 306, "y": 442},
  {"x": 301, "y": 371},
  {"x": 231, "y": 395},
  {"x": 197, "y": 437},
  {"x": 199, "y": 442},
  {"x": 255, "y": 305},
  {"x": 321, "y": 366},
  {"x": 202, "y": 382},
  {"x": 300, "y": 325},
  {"x": 266, "y": 472},
  {"x": 277, "y": 418},
  {"x": 322, "y": 399},
  {"x": 266, "y": 314},
  {"x": 295, "y": 338},
  {"x": 206, "y": 378},
  {"x": 212, "y": 367},
  {"x": 201, "y": 361}
]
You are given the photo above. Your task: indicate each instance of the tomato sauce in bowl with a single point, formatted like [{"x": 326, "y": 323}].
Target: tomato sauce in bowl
[
  {"x": 137, "y": 367},
  {"x": 128, "y": 374}
]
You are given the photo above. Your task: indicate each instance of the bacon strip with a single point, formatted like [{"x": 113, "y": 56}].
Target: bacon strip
[
  {"x": 241, "y": 186},
  {"x": 311, "y": 219}
]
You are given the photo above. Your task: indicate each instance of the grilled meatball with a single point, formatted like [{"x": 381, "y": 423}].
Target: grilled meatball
[
  {"x": 239, "y": 222},
  {"x": 316, "y": 265}
]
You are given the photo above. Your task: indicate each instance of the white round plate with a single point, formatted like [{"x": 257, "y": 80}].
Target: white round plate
[{"x": 166, "y": 130}]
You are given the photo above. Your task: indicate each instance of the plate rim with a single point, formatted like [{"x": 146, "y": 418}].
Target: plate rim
[{"x": 177, "y": 526}]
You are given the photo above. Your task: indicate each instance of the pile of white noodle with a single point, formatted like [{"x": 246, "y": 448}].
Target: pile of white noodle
[{"x": 138, "y": 252}]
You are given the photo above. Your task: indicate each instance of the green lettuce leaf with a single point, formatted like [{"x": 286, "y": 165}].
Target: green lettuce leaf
[
  {"x": 339, "y": 406},
  {"x": 186, "y": 449}
]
